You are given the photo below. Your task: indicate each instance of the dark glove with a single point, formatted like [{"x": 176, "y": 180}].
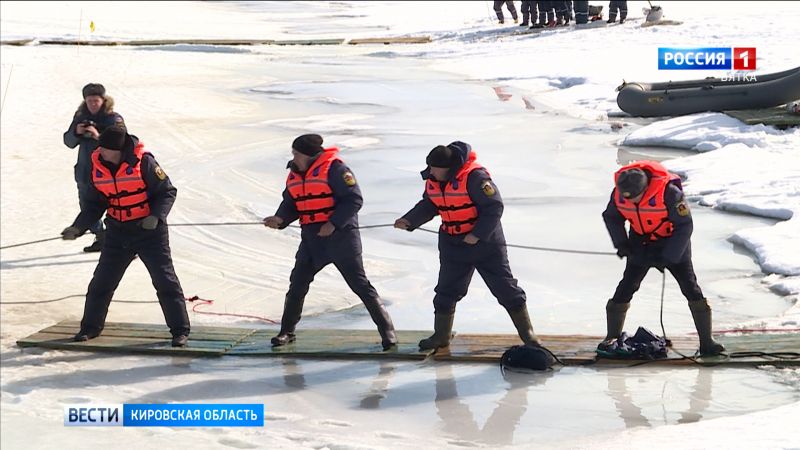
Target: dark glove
[
  {"x": 70, "y": 233},
  {"x": 149, "y": 223},
  {"x": 624, "y": 250}
]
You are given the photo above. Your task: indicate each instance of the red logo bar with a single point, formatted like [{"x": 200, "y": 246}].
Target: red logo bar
[{"x": 744, "y": 58}]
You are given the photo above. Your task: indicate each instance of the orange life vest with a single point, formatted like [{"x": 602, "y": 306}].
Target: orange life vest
[
  {"x": 649, "y": 217},
  {"x": 125, "y": 190},
  {"x": 313, "y": 196},
  {"x": 456, "y": 208}
]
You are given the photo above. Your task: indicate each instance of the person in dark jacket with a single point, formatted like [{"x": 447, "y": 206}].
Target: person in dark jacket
[
  {"x": 322, "y": 193},
  {"x": 95, "y": 114},
  {"x": 471, "y": 238},
  {"x": 128, "y": 184},
  {"x": 651, "y": 201}
]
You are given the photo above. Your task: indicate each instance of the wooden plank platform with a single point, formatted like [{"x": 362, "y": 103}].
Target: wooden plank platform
[
  {"x": 392, "y": 40},
  {"x": 126, "y": 338},
  {"x": 138, "y": 338},
  {"x": 309, "y": 42},
  {"x": 778, "y": 117},
  {"x": 18, "y": 42}
]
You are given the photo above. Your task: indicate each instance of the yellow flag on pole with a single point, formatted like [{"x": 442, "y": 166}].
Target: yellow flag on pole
[{"x": 91, "y": 26}]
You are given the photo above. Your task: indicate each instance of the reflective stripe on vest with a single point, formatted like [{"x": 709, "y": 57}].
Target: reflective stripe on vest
[
  {"x": 454, "y": 204},
  {"x": 125, "y": 191},
  {"x": 313, "y": 197},
  {"x": 649, "y": 217}
]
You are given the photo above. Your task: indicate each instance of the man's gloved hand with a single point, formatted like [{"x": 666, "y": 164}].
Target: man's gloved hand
[
  {"x": 149, "y": 223},
  {"x": 273, "y": 222},
  {"x": 402, "y": 224},
  {"x": 70, "y": 233},
  {"x": 624, "y": 250}
]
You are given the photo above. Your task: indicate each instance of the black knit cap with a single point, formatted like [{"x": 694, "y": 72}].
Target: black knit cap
[
  {"x": 113, "y": 138},
  {"x": 308, "y": 144},
  {"x": 94, "y": 89},
  {"x": 440, "y": 156},
  {"x": 632, "y": 182}
]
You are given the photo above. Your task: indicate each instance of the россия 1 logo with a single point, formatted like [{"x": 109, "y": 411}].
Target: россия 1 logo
[{"x": 707, "y": 58}]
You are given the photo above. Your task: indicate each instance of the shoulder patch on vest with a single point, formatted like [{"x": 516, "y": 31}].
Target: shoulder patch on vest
[
  {"x": 349, "y": 179},
  {"x": 488, "y": 188},
  {"x": 683, "y": 208},
  {"x": 160, "y": 173}
]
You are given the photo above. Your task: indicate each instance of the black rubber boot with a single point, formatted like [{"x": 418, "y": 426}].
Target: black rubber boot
[
  {"x": 701, "y": 313},
  {"x": 522, "y": 322},
  {"x": 83, "y": 336},
  {"x": 97, "y": 245},
  {"x": 292, "y": 309},
  {"x": 442, "y": 332},
  {"x": 180, "y": 340},
  {"x": 615, "y": 319},
  {"x": 381, "y": 318}
]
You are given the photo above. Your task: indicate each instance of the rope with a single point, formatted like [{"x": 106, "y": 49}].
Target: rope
[
  {"x": 67, "y": 297},
  {"x": 212, "y": 224},
  {"x": 362, "y": 227},
  {"x": 661, "y": 314},
  {"x": 29, "y": 243},
  {"x": 8, "y": 83},
  {"x": 663, "y": 331},
  {"x": 202, "y": 301},
  {"x": 759, "y": 330},
  {"x": 544, "y": 249}
]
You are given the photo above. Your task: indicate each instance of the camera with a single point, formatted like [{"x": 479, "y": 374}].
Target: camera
[{"x": 87, "y": 123}]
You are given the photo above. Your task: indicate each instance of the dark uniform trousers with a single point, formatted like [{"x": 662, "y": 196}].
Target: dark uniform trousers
[
  {"x": 546, "y": 12},
  {"x": 458, "y": 263},
  {"x": 635, "y": 273},
  {"x": 342, "y": 249},
  {"x": 123, "y": 242},
  {"x": 616, "y": 5},
  {"x": 529, "y": 12},
  {"x": 498, "y": 8}
]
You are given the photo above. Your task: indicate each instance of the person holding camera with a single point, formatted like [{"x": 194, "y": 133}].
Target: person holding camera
[
  {"x": 127, "y": 182},
  {"x": 651, "y": 200},
  {"x": 95, "y": 114}
]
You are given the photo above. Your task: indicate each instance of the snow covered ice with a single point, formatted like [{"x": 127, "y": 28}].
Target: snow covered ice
[{"x": 535, "y": 108}]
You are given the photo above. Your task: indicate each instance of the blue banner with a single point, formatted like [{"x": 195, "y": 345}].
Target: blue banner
[
  {"x": 698, "y": 58},
  {"x": 193, "y": 415}
]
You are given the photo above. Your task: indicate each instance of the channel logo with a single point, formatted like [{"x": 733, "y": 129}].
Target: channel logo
[
  {"x": 164, "y": 415},
  {"x": 707, "y": 58}
]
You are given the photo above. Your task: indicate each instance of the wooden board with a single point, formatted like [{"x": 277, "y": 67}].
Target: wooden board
[
  {"x": 17, "y": 42},
  {"x": 125, "y": 338},
  {"x": 150, "y": 42},
  {"x": 392, "y": 40},
  {"x": 309, "y": 42},
  {"x": 348, "y": 344},
  {"x": 778, "y": 117},
  {"x": 138, "y": 338}
]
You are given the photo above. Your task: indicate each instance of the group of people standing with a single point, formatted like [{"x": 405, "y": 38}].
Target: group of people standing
[
  {"x": 549, "y": 14},
  {"x": 122, "y": 179}
]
